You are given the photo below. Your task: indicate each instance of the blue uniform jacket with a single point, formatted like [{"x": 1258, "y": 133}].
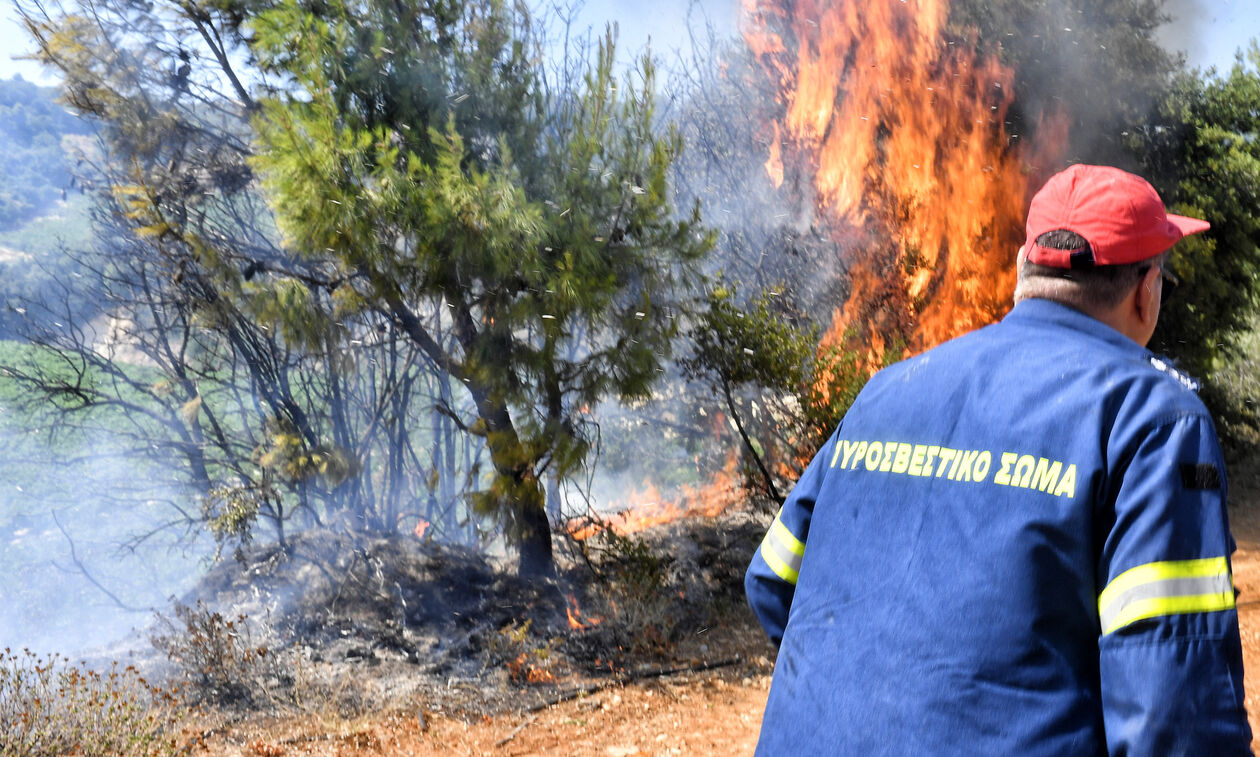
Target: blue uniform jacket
[{"x": 1014, "y": 544}]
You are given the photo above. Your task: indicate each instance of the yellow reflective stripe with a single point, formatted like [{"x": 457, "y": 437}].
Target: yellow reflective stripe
[
  {"x": 1156, "y": 607},
  {"x": 776, "y": 563},
  {"x": 782, "y": 551},
  {"x": 786, "y": 537},
  {"x": 1166, "y": 588},
  {"x": 1160, "y": 571}
]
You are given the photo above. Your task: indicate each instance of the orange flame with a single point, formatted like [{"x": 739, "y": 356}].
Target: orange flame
[
  {"x": 522, "y": 669},
  {"x": 422, "y": 525},
  {"x": 576, "y": 621},
  {"x": 900, "y": 131},
  {"x": 897, "y": 131},
  {"x": 647, "y": 507}
]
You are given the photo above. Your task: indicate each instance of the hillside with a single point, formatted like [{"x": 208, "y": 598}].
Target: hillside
[
  {"x": 43, "y": 208},
  {"x": 36, "y": 171}
]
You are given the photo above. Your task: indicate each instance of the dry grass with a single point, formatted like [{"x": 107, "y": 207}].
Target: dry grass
[{"x": 50, "y": 706}]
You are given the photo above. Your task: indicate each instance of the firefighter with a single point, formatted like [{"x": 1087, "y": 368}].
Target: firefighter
[{"x": 1016, "y": 543}]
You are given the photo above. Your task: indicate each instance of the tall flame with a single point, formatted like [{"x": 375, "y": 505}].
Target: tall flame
[
  {"x": 900, "y": 133},
  {"x": 896, "y": 130}
]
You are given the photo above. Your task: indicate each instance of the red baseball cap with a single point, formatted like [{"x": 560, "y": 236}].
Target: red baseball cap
[{"x": 1119, "y": 214}]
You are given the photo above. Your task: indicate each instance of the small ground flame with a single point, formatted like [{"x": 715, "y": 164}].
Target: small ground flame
[
  {"x": 576, "y": 620},
  {"x": 422, "y": 525},
  {"x": 523, "y": 669}
]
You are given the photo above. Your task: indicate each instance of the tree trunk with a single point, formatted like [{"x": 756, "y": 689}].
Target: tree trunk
[
  {"x": 535, "y": 558},
  {"x": 771, "y": 489},
  {"x": 518, "y": 487}
]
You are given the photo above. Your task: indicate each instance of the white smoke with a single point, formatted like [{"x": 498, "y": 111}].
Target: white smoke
[
  {"x": 1186, "y": 32},
  {"x": 87, "y": 549}
]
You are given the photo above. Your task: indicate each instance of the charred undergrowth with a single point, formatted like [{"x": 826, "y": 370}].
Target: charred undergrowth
[{"x": 347, "y": 624}]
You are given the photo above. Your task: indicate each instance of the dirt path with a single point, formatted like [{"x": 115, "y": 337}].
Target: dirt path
[
  {"x": 709, "y": 714},
  {"x": 1246, "y": 528},
  {"x": 712, "y": 716}
]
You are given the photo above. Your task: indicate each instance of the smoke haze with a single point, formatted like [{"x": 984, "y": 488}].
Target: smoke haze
[
  {"x": 58, "y": 521},
  {"x": 1186, "y": 32},
  {"x": 768, "y": 237},
  {"x": 666, "y": 24}
]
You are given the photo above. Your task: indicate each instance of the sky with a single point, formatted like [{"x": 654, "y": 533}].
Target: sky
[{"x": 1208, "y": 31}]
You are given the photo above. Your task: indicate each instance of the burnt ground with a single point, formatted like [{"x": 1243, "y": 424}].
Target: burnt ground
[
  {"x": 693, "y": 681},
  {"x": 389, "y": 645}
]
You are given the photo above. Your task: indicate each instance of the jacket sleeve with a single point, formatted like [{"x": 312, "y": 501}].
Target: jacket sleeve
[
  {"x": 1170, "y": 656},
  {"x": 770, "y": 582}
]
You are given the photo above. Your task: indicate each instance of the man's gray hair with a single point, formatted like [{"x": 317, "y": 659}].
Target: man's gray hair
[{"x": 1088, "y": 290}]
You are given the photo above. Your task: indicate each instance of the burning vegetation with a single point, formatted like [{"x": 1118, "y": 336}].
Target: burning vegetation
[
  {"x": 899, "y": 129},
  {"x": 376, "y": 333},
  {"x": 644, "y": 508}
]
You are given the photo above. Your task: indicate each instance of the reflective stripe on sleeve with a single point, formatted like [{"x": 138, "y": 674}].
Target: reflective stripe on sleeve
[
  {"x": 782, "y": 551},
  {"x": 1166, "y": 588}
]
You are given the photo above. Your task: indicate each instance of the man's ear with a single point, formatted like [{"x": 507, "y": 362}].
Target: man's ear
[{"x": 1145, "y": 300}]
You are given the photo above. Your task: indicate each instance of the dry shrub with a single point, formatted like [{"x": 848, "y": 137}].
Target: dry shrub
[
  {"x": 226, "y": 660},
  {"x": 234, "y": 662},
  {"x": 48, "y": 706},
  {"x": 661, "y": 588},
  {"x": 636, "y": 593}
]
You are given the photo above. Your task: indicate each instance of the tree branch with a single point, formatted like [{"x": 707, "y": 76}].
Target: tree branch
[
  {"x": 86, "y": 574},
  {"x": 730, "y": 403}
]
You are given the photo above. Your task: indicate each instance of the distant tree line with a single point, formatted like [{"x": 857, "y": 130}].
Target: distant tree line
[{"x": 35, "y": 172}]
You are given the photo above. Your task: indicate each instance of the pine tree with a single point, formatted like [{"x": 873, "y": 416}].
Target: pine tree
[{"x": 421, "y": 149}]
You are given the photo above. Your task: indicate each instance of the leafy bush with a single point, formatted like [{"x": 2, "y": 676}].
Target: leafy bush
[
  {"x": 784, "y": 390},
  {"x": 48, "y": 706},
  {"x": 1233, "y": 393}
]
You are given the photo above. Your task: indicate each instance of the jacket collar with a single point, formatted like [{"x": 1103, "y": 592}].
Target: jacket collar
[{"x": 1034, "y": 311}]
